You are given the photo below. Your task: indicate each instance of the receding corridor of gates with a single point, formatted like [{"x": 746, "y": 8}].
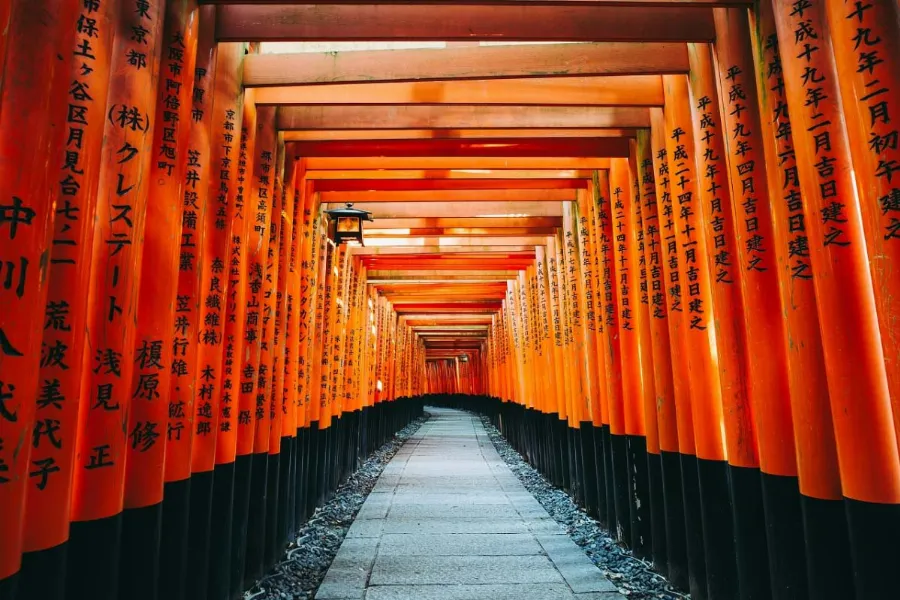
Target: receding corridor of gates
[{"x": 654, "y": 243}]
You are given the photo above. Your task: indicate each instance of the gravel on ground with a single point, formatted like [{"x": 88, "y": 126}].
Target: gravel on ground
[
  {"x": 306, "y": 560},
  {"x": 634, "y": 577}
]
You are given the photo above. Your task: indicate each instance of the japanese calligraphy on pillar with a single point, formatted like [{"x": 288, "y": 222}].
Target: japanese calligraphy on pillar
[
  {"x": 237, "y": 424},
  {"x": 225, "y": 115},
  {"x": 715, "y": 176},
  {"x": 795, "y": 225},
  {"x": 653, "y": 244},
  {"x": 682, "y": 182},
  {"x": 268, "y": 361},
  {"x": 59, "y": 381},
  {"x": 254, "y": 373},
  {"x": 164, "y": 242},
  {"x": 195, "y": 192},
  {"x": 116, "y": 265}
]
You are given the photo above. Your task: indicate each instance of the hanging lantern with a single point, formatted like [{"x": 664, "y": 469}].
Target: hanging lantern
[{"x": 347, "y": 224}]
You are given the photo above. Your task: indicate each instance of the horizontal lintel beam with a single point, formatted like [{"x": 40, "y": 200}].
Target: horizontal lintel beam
[
  {"x": 469, "y": 22},
  {"x": 484, "y": 62}
]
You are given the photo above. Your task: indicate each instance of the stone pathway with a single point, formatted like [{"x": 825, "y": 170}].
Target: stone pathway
[{"x": 448, "y": 520}]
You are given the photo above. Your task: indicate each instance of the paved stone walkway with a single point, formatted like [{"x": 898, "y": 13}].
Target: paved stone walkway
[{"x": 448, "y": 520}]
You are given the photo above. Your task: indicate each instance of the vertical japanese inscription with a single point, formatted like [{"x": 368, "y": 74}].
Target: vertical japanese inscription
[{"x": 116, "y": 263}]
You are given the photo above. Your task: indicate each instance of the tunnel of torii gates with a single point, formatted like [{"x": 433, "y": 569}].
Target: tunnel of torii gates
[{"x": 663, "y": 259}]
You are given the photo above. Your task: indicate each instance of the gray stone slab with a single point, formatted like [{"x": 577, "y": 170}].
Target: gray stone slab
[
  {"x": 478, "y": 544},
  {"x": 576, "y": 568},
  {"x": 429, "y": 570},
  {"x": 457, "y": 526},
  {"x": 474, "y": 497},
  {"x": 348, "y": 574},
  {"x": 449, "y": 512},
  {"x": 471, "y": 592},
  {"x": 448, "y": 520}
]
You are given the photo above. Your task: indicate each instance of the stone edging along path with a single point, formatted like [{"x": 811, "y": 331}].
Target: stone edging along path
[
  {"x": 303, "y": 567},
  {"x": 632, "y": 576}
]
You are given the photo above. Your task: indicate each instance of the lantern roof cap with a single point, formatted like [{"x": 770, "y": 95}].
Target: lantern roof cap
[{"x": 349, "y": 211}]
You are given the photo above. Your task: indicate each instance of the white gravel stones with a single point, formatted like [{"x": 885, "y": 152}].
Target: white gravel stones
[
  {"x": 633, "y": 577},
  {"x": 299, "y": 574}
]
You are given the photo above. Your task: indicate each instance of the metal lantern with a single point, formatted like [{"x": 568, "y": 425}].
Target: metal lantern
[{"x": 347, "y": 224}]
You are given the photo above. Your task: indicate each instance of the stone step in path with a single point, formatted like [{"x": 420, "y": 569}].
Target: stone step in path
[{"x": 448, "y": 520}]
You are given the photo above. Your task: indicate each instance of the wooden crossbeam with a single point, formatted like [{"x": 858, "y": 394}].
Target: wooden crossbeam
[
  {"x": 636, "y": 90},
  {"x": 317, "y": 135},
  {"x": 406, "y": 22},
  {"x": 349, "y": 185},
  {"x": 454, "y": 162},
  {"x": 461, "y": 231},
  {"x": 459, "y": 195},
  {"x": 461, "y": 174},
  {"x": 492, "y": 62},
  {"x": 495, "y": 147},
  {"x": 459, "y": 117},
  {"x": 405, "y": 210}
]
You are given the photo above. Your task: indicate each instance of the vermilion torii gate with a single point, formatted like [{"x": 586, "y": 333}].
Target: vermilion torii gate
[{"x": 664, "y": 257}]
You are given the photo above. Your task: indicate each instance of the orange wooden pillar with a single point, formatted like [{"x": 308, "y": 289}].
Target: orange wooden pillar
[
  {"x": 268, "y": 362},
  {"x": 587, "y": 275},
  {"x": 706, "y": 402},
  {"x": 192, "y": 454},
  {"x": 827, "y": 546},
  {"x": 669, "y": 550},
  {"x": 718, "y": 230},
  {"x": 226, "y": 116},
  {"x": 113, "y": 297},
  {"x": 175, "y": 560},
  {"x": 253, "y": 375},
  {"x": 768, "y": 387},
  {"x": 614, "y": 444},
  {"x": 165, "y": 246},
  {"x": 854, "y": 359},
  {"x": 650, "y": 487},
  {"x": 34, "y": 81},
  {"x": 313, "y": 245},
  {"x": 627, "y": 283},
  {"x": 590, "y": 232},
  {"x": 236, "y": 431},
  {"x": 686, "y": 562},
  {"x": 48, "y": 485},
  {"x": 866, "y": 42},
  {"x": 284, "y": 344}
]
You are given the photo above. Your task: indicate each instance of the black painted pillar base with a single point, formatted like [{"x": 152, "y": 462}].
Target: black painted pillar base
[
  {"x": 718, "y": 530},
  {"x": 828, "y": 562},
  {"x": 243, "y": 471},
  {"x": 751, "y": 549},
  {"x": 94, "y": 552},
  {"x": 602, "y": 514},
  {"x": 589, "y": 460},
  {"x": 621, "y": 488},
  {"x": 273, "y": 546},
  {"x": 639, "y": 495},
  {"x": 256, "y": 519},
  {"x": 676, "y": 544},
  {"x": 323, "y": 475},
  {"x": 141, "y": 533},
  {"x": 174, "y": 539},
  {"x": 9, "y": 587},
  {"x": 874, "y": 531},
  {"x": 657, "y": 513},
  {"x": 693, "y": 524},
  {"x": 784, "y": 530},
  {"x": 610, "y": 480},
  {"x": 220, "y": 533},
  {"x": 42, "y": 576},
  {"x": 196, "y": 586},
  {"x": 284, "y": 483}
]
